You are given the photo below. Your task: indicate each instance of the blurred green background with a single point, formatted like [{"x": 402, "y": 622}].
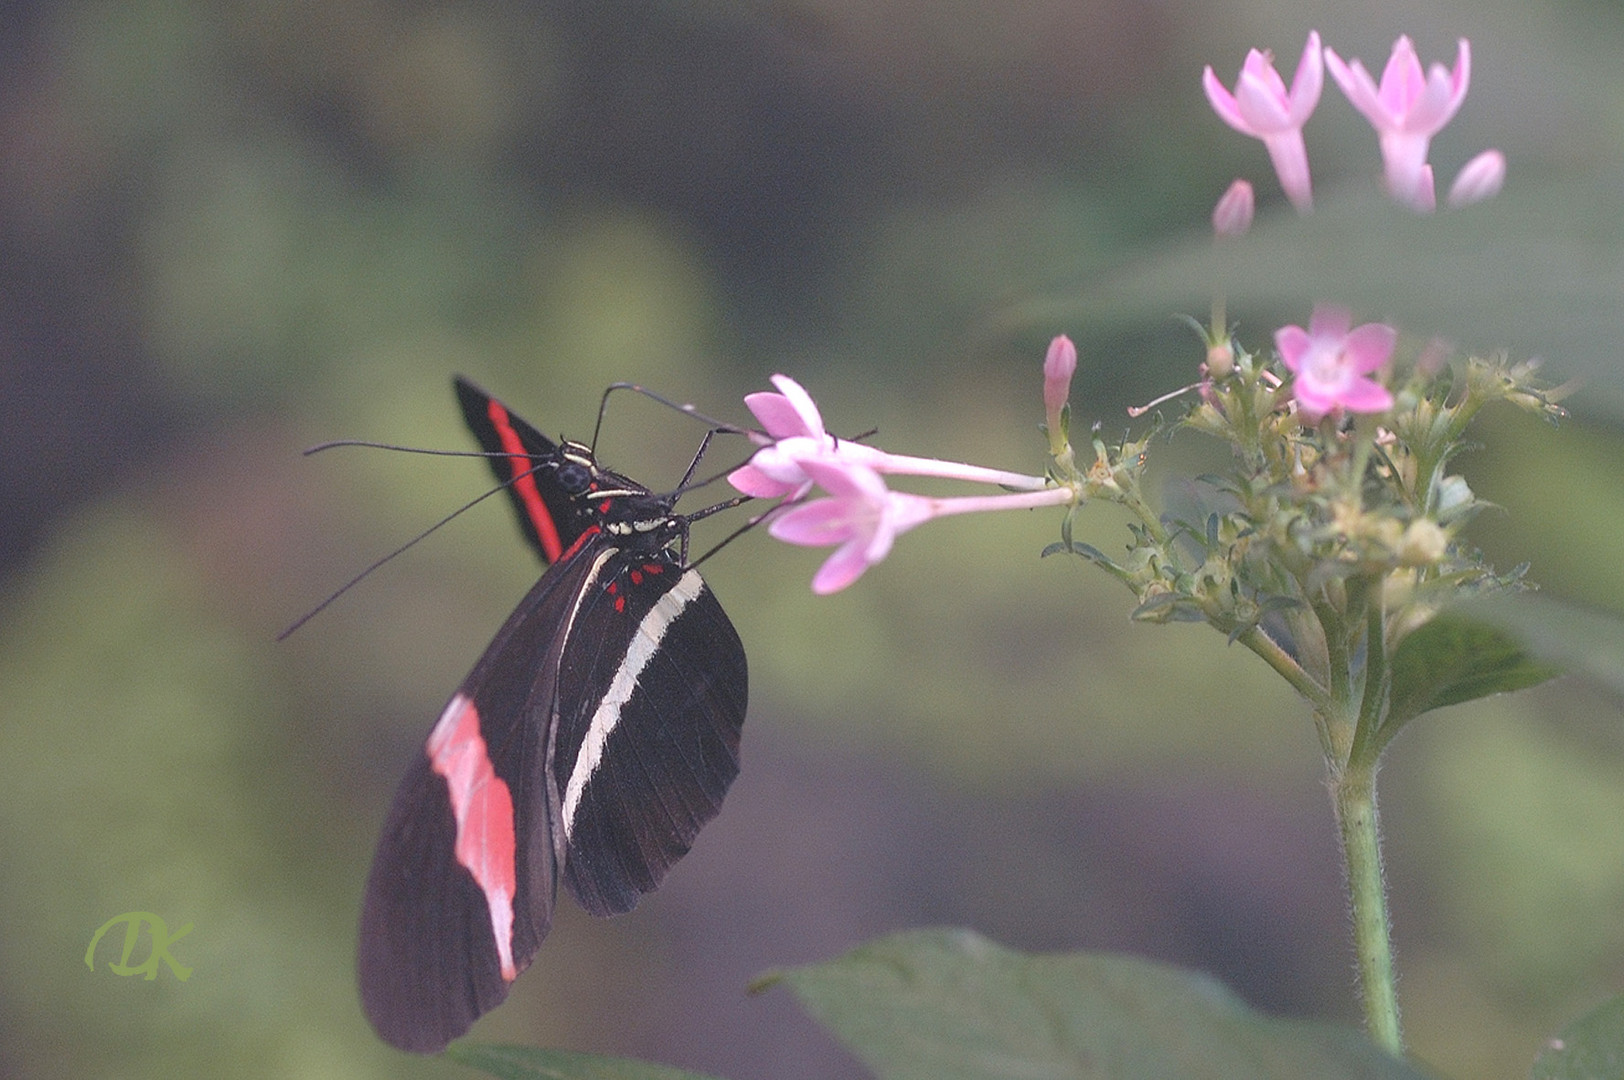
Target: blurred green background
[{"x": 232, "y": 230}]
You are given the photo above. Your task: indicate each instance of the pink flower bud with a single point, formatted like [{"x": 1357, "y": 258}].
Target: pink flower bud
[
  {"x": 1233, "y": 214},
  {"x": 1058, "y": 368},
  {"x": 1479, "y": 179}
]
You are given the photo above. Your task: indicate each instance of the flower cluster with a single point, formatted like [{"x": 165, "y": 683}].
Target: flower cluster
[
  {"x": 1330, "y": 546},
  {"x": 1325, "y": 374},
  {"x": 1407, "y": 108}
]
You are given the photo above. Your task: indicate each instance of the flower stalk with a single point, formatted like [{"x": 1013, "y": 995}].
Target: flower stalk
[{"x": 1353, "y": 792}]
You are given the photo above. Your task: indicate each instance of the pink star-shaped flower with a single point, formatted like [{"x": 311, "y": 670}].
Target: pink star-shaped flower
[
  {"x": 1262, "y": 108},
  {"x": 795, "y": 435},
  {"x": 1407, "y": 110},
  {"x": 1332, "y": 363},
  {"x": 861, "y": 515}
]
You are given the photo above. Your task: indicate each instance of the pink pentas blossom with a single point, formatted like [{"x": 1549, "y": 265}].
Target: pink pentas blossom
[
  {"x": 1407, "y": 109},
  {"x": 861, "y": 515},
  {"x": 1479, "y": 179},
  {"x": 864, "y": 517},
  {"x": 1233, "y": 214},
  {"x": 1263, "y": 108},
  {"x": 1332, "y": 363},
  {"x": 794, "y": 434}
]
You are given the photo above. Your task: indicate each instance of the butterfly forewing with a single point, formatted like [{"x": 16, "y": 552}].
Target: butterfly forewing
[{"x": 543, "y": 484}]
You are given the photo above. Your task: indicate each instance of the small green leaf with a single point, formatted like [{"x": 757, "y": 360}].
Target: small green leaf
[
  {"x": 1454, "y": 659},
  {"x": 1590, "y": 1048},
  {"x": 534, "y": 1063},
  {"x": 949, "y": 1005},
  {"x": 1585, "y": 641}
]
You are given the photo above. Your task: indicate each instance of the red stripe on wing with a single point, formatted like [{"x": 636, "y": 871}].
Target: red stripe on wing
[
  {"x": 525, "y": 482},
  {"x": 483, "y": 808}
]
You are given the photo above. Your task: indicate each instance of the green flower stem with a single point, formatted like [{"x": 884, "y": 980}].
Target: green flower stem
[
  {"x": 1369, "y": 736},
  {"x": 1340, "y": 722},
  {"x": 1354, "y": 791},
  {"x": 1277, "y": 658}
]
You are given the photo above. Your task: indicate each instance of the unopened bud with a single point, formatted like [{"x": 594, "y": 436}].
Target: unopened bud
[
  {"x": 1233, "y": 214},
  {"x": 1480, "y": 178}
]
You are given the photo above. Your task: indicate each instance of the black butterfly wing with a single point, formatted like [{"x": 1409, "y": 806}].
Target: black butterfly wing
[
  {"x": 653, "y": 688},
  {"x": 546, "y": 495},
  {"x": 469, "y": 843}
]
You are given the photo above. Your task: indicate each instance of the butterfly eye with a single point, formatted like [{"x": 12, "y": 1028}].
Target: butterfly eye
[{"x": 574, "y": 479}]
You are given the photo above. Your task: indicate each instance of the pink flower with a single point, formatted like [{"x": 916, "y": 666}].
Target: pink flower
[
  {"x": 1407, "y": 110},
  {"x": 1331, "y": 362},
  {"x": 1058, "y": 367},
  {"x": 864, "y": 517},
  {"x": 794, "y": 435},
  {"x": 1262, "y": 108},
  {"x": 1233, "y": 214},
  {"x": 1479, "y": 179}
]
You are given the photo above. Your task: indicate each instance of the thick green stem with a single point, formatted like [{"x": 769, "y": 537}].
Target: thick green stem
[{"x": 1354, "y": 792}]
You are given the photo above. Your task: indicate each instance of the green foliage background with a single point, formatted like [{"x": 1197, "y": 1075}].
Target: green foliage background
[{"x": 232, "y": 230}]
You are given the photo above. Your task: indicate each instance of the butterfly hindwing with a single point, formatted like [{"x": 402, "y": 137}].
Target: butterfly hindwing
[{"x": 651, "y": 705}]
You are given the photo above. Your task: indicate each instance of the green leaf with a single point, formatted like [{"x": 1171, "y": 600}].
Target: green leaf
[
  {"x": 534, "y": 1063},
  {"x": 1454, "y": 659},
  {"x": 1590, "y": 1048},
  {"x": 1582, "y": 640},
  {"x": 950, "y": 1005}
]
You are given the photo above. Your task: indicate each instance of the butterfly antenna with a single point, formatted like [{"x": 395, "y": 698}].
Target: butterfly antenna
[
  {"x": 319, "y": 447},
  {"x": 358, "y": 578},
  {"x": 717, "y": 426}
]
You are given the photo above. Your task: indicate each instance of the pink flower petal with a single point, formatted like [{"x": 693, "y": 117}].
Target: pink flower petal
[
  {"x": 776, "y": 414},
  {"x": 818, "y": 523},
  {"x": 1329, "y": 321},
  {"x": 811, "y": 421},
  {"x": 751, "y": 481},
  {"x": 1309, "y": 80},
  {"x": 1293, "y": 343},
  {"x": 1364, "y": 396},
  {"x": 842, "y": 568},
  {"x": 1369, "y": 347}
]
